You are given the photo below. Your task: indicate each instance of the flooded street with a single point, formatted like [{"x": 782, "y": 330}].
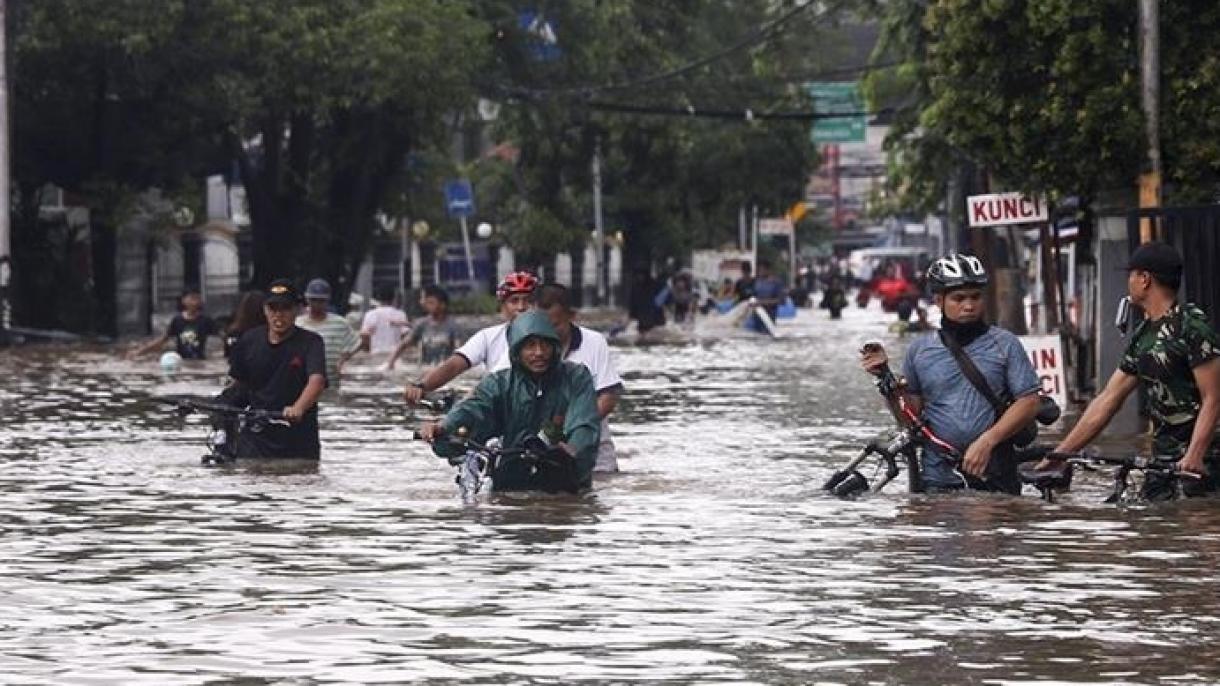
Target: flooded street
[{"x": 714, "y": 557}]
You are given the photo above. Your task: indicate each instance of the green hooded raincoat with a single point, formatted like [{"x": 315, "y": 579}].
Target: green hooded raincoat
[{"x": 515, "y": 404}]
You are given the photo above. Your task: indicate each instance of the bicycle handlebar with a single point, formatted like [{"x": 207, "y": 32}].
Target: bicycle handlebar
[
  {"x": 185, "y": 407},
  {"x": 439, "y": 404},
  {"x": 1147, "y": 463}
]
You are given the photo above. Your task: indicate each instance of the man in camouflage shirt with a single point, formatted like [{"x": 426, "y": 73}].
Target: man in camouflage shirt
[{"x": 1173, "y": 354}]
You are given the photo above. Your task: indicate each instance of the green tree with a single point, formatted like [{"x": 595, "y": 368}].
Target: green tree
[
  {"x": 328, "y": 98},
  {"x": 670, "y": 183},
  {"x": 1043, "y": 95},
  {"x": 319, "y": 102},
  {"x": 101, "y": 107}
]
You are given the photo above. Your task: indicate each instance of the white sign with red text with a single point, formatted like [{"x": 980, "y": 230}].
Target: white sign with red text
[
  {"x": 775, "y": 227},
  {"x": 1046, "y": 354},
  {"x": 1002, "y": 209}
]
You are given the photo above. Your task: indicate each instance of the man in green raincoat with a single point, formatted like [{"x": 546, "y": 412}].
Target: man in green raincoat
[{"x": 540, "y": 395}]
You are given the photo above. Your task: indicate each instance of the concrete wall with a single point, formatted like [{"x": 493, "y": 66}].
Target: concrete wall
[
  {"x": 148, "y": 292},
  {"x": 614, "y": 264},
  {"x": 131, "y": 279},
  {"x": 1112, "y": 253},
  {"x": 221, "y": 268},
  {"x": 169, "y": 274}
]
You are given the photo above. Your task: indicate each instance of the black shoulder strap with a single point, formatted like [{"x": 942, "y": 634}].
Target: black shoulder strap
[{"x": 972, "y": 372}]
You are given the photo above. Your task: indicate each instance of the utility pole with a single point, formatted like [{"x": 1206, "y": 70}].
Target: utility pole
[
  {"x": 466, "y": 245},
  {"x": 836, "y": 187},
  {"x": 599, "y": 227},
  {"x": 741, "y": 227},
  {"x": 6, "y": 254},
  {"x": 404, "y": 251},
  {"x": 754, "y": 239},
  {"x": 1150, "y": 95}
]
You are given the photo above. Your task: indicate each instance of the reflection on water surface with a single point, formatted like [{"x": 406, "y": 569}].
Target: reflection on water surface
[{"x": 712, "y": 558}]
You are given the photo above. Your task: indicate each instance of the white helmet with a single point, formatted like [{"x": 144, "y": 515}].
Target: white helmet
[{"x": 956, "y": 271}]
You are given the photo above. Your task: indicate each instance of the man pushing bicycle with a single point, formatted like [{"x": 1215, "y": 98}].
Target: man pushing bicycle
[
  {"x": 971, "y": 383},
  {"x": 1173, "y": 355},
  {"x": 541, "y": 404}
]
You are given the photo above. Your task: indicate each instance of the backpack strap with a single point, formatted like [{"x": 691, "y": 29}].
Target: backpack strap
[{"x": 972, "y": 373}]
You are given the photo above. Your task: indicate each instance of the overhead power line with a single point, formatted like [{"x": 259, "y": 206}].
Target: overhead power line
[
  {"x": 759, "y": 35},
  {"x": 745, "y": 114}
]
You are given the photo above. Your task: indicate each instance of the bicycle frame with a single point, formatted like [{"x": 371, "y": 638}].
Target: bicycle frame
[
  {"x": 912, "y": 434},
  {"x": 1049, "y": 481},
  {"x": 247, "y": 419}
]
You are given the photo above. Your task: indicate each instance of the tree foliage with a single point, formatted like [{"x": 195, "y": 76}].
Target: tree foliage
[
  {"x": 1043, "y": 95},
  {"x": 327, "y": 98},
  {"x": 334, "y": 113},
  {"x": 670, "y": 183}
]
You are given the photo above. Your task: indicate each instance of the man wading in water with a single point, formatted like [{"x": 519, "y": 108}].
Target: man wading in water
[
  {"x": 486, "y": 346},
  {"x": 279, "y": 367},
  {"x": 540, "y": 395},
  {"x": 1173, "y": 354},
  {"x": 189, "y": 330},
  {"x": 939, "y": 391},
  {"x": 587, "y": 347}
]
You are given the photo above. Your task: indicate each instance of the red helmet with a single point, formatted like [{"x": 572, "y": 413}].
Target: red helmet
[{"x": 517, "y": 282}]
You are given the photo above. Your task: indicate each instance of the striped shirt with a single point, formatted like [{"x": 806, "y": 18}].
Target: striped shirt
[{"x": 338, "y": 338}]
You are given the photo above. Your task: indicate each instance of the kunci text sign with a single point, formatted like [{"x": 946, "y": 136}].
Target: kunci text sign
[
  {"x": 1046, "y": 354},
  {"x": 1000, "y": 209}
]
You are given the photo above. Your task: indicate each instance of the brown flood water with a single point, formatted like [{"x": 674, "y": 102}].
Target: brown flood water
[{"x": 714, "y": 557}]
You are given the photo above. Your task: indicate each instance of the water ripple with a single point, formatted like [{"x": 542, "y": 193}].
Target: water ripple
[{"x": 713, "y": 558}]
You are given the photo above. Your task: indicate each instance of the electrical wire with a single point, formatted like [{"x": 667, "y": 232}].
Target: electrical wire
[
  {"x": 796, "y": 78},
  {"x": 744, "y": 114},
  {"x": 761, "y": 34}
]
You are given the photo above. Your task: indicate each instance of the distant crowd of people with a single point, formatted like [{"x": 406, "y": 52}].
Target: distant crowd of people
[
  {"x": 677, "y": 296},
  {"x": 385, "y": 329},
  {"x": 282, "y": 357}
]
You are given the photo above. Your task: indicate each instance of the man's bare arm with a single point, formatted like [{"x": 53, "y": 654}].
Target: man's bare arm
[
  {"x": 606, "y": 402},
  {"x": 1099, "y": 412},
  {"x": 435, "y": 378},
  {"x": 1207, "y": 378},
  {"x": 307, "y": 399}
]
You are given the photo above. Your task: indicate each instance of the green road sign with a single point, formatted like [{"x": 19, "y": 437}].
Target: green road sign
[{"x": 838, "y": 97}]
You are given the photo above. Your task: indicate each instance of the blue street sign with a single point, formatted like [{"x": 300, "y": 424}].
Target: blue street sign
[
  {"x": 459, "y": 198},
  {"x": 543, "y": 42}
]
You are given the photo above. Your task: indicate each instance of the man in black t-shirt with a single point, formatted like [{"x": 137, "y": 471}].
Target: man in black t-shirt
[
  {"x": 189, "y": 330},
  {"x": 279, "y": 367}
]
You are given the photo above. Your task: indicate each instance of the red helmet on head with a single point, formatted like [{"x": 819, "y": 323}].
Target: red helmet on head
[{"x": 517, "y": 282}]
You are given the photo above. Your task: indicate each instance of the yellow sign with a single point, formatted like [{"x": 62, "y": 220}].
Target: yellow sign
[{"x": 797, "y": 211}]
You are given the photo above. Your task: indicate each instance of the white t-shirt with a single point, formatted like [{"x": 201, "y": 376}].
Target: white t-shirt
[
  {"x": 589, "y": 348},
  {"x": 486, "y": 346},
  {"x": 385, "y": 326}
]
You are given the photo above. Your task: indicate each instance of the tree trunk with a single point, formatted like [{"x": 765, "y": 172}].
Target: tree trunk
[
  {"x": 104, "y": 242},
  {"x": 361, "y": 174},
  {"x": 259, "y": 181},
  {"x": 577, "y": 285}
]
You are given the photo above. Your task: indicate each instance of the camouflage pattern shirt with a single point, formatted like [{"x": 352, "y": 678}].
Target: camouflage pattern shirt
[{"x": 1163, "y": 355}]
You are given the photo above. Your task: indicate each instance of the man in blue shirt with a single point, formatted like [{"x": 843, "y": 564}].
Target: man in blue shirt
[
  {"x": 939, "y": 391},
  {"x": 768, "y": 292}
]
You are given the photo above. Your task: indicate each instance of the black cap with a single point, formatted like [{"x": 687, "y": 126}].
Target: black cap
[
  {"x": 282, "y": 292},
  {"x": 1160, "y": 259}
]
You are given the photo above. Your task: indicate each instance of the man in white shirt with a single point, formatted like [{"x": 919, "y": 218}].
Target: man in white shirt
[
  {"x": 486, "y": 346},
  {"x": 587, "y": 347},
  {"x": 383, "y": 326}
]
